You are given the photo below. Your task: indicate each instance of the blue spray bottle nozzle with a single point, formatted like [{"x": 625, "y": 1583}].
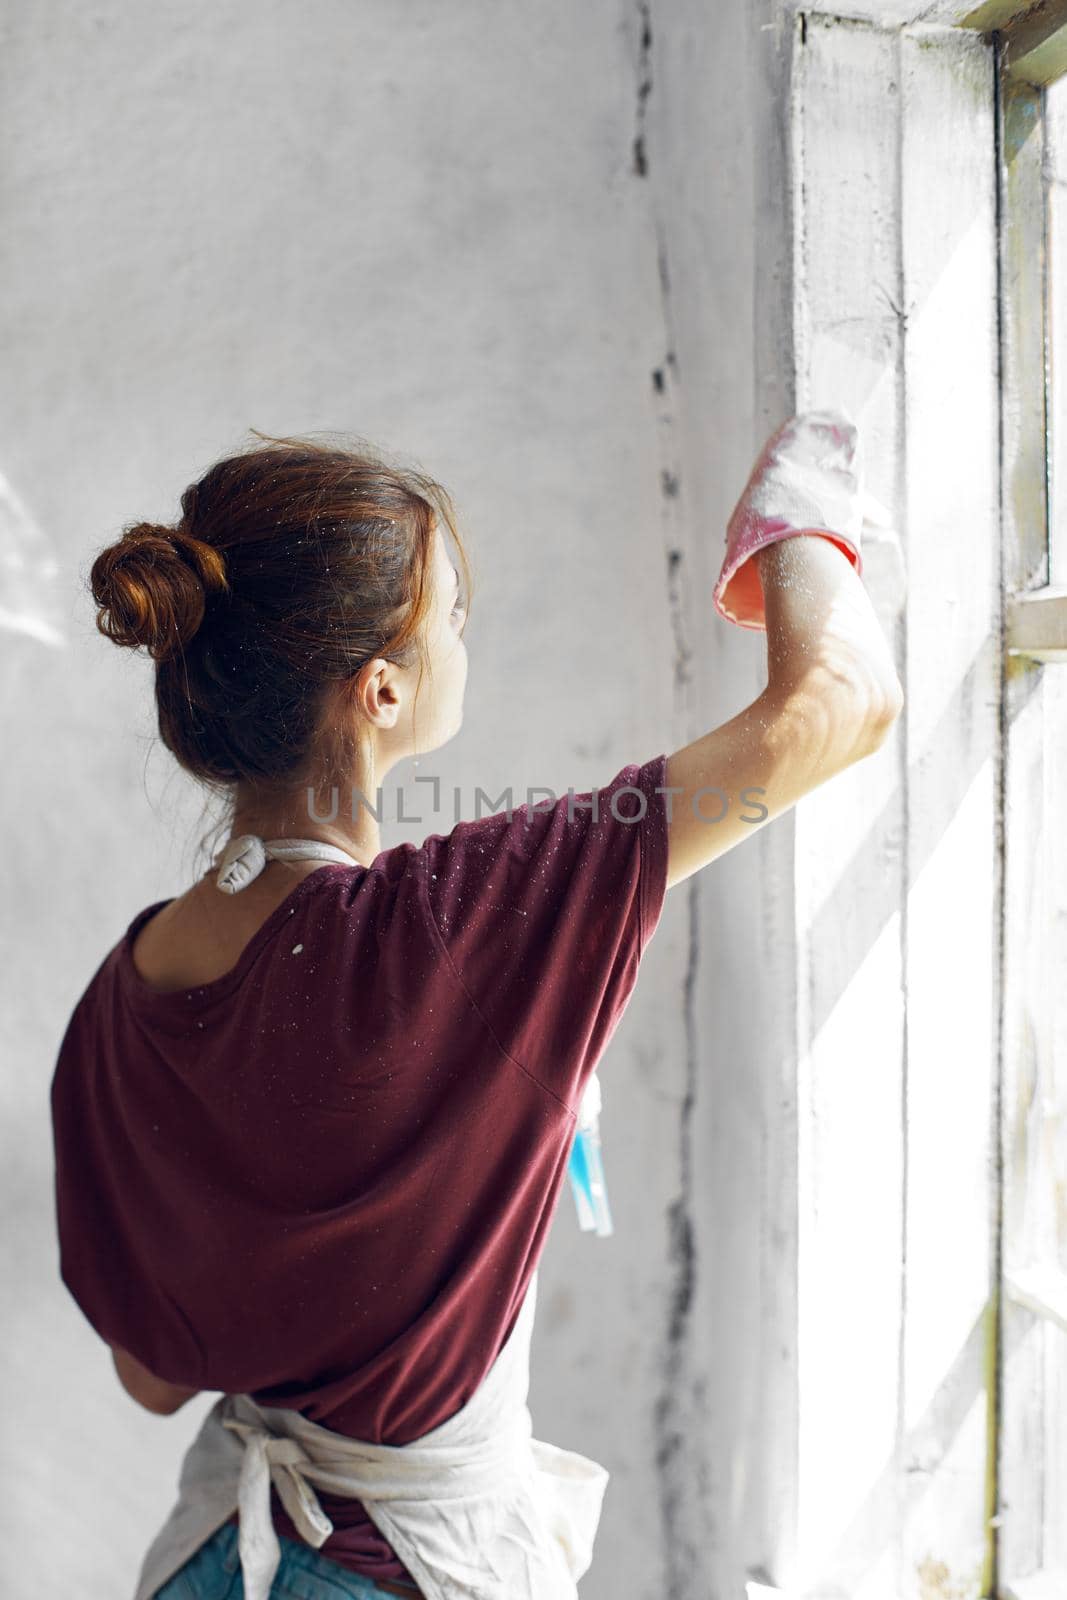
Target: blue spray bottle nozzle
[{"x": 586, "y": 1168}]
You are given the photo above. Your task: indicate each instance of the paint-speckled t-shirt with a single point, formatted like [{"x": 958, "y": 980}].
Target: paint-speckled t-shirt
[{"x": 325, "y": 1178}]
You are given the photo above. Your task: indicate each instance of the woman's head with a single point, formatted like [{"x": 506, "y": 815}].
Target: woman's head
[{"x": 303, "y": 603}]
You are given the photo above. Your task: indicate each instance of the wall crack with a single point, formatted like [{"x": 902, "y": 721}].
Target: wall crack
[{"x": 680, "y": 1432}]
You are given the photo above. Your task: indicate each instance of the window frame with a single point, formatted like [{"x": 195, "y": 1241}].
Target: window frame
[
  {"x": 1032, "y": 37},
  {"x": 1031, "y": 54}
]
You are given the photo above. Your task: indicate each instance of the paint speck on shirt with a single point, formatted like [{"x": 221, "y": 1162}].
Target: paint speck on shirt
[{"x": 297, "y": 949}]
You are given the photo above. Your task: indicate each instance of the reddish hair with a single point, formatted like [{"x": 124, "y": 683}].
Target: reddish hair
[{"x": 293, "y": 564}]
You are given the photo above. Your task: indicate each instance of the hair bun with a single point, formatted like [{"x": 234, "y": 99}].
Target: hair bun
[{"x": 151, "y": 587}]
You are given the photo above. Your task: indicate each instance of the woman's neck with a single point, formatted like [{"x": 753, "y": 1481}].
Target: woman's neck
[{"x": 342, "y": 815}]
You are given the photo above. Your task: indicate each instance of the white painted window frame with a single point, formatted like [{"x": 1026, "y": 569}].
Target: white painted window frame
[{"x": 1032, "y": 51}]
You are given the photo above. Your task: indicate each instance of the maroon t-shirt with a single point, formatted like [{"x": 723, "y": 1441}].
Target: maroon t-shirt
[{"x": 326, "y": 1178}]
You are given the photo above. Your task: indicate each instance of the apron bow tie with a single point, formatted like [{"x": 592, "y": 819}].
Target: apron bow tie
[{"x": 270, "y": 1459}]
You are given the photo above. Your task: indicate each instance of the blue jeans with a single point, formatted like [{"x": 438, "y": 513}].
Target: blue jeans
[{"x": 214, "y": 1573}]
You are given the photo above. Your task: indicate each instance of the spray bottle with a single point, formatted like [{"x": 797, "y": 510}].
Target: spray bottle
[{"x": 586, "y": 1169}]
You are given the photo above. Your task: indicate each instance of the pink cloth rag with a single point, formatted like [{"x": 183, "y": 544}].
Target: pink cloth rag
[{"x": 807, "y": 480}]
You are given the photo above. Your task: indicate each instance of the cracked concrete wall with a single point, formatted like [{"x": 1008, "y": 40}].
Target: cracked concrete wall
[
  {"x": 543, "y": 252},
  {"x": 716, "y": 157}
]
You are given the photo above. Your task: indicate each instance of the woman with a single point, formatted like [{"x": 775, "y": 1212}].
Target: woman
[{"x": 312, "y": 1116}]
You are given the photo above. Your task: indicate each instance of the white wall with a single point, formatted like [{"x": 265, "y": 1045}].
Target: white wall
[
  {"x": 423, "y": 224},
  {"x": 430, "y": 225}
]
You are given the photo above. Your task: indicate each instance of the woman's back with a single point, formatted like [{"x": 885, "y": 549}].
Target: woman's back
[
  {"x": 323, "y": 1175},
  {"x": 200, "y": 935}
]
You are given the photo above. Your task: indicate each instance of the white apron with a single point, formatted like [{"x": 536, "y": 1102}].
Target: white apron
[{"x": 477, "y": 1509}]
